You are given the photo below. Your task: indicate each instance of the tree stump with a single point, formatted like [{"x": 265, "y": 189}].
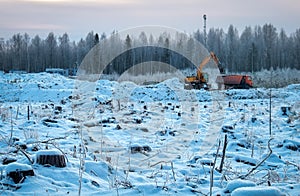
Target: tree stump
[
  {"x": 139, "y": 149},
  {"x": 51, "y": 157},
  {"x": 285, "y": 110},
  {"x": 18, "y": 172}
]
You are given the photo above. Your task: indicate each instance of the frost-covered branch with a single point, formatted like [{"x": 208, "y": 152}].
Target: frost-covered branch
[{"x": 260, "y": 163}]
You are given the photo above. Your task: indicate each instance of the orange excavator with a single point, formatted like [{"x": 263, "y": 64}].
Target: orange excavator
[{"x": 200, "y": 81}]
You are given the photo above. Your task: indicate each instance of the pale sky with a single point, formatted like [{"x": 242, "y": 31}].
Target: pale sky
[{"x": 78, "y": 17}]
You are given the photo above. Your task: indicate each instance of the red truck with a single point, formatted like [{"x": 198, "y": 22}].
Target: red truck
[{"x": 235, "y": 81}]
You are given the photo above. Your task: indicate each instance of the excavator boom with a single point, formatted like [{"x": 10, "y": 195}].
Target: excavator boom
[{"x": 203, "y": 63}]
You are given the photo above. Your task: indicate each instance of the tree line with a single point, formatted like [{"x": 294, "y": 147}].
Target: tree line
[{"x": 255, "y": 49}]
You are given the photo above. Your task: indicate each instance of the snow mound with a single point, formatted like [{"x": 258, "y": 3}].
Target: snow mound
[
  {"x": 26, "y": 87},
  {"x": 293, "y": 87},
  {"x": 174, "y": 83},
  {"x": 235, "y": 184},
  {"x": 262, "y": 191},
  {"x": 17, "y": 167}
]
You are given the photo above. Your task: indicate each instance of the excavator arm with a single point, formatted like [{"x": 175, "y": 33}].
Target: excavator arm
[
  {"x": 205, "y": 61},
  {"x": 215, "y": 58}
]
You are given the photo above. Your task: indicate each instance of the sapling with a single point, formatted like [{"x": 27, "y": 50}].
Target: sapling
[
  {"x": 116, "y": 177},
  {"x": 172, "y": 166},
  {"x": 223, "y": 154},
  {"x": 11, "y": 126},
  {"x": 129, "y": 159},
  {"x": 28, "y": 113},
  {"x": 17, "y": 113},
  {"x": 81, "y": 159},
  {"x": 101, "y": 132},
  {"x": 205, "y": 174},
  {"x": 212, "y": 169},
  {"x": 74, "y": 151},
  {"x": 252, "y": 148}
]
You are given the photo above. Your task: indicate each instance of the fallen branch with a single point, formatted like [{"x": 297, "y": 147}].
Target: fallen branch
[
  {"x": 294, "y": 164},
  {"x": 260, "y": 163},
  {"x": 142, "y": 161},
  {"x": 24, "y": 153},
  {"x": 159, "y": 163},
  {"x": 94, "y": 173},
  {"x": 47, "y": 141}
]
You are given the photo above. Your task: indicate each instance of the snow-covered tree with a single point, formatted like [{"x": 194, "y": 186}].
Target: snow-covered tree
[
  {"x": 270, "y": 35},
  {"x": 232, "y": 48},
  {"x": 64, "y": 51},
  {"x": 246, "y": 50},
  {"x": 51, "y": 51}
]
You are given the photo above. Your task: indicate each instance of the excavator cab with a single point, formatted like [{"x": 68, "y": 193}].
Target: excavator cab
[
  {"x": 205, "y": 84},
  {"x": 197, "y": 82}
]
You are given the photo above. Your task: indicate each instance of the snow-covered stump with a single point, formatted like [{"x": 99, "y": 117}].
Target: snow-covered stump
[
  {"x": 18, "y": 172},
  {"x": 51, "y": 157},
  {"x": 285, "y": 110},
  {"x": 139, "y": 149}
]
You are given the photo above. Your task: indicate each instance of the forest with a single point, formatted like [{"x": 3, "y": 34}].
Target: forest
[{"x": 254, "y": 49}]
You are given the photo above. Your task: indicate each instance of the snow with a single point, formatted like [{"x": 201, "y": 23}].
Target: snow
[
  {"x": 234, "y": 184},
  {"x": 263, "y": 191},
  {"x": 48, "y": 152},
  {"x": 176, "y": 132},
  {"x": 17, "y": 167}
]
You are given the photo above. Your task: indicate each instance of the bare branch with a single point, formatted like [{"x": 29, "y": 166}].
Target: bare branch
[
  {"x": 24, "y": 153},
  {"x": 212, "y": 170},
  {"x": 260, "y": 163}
]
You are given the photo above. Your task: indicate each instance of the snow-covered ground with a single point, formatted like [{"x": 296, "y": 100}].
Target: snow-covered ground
[{"x": 125, "y": 139}]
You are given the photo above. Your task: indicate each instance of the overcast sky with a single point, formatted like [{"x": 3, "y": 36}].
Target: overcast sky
[{"x": 78, "y": 17}]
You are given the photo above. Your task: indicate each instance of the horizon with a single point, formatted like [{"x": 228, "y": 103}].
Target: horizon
[{"x": 44, "y": 35}]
